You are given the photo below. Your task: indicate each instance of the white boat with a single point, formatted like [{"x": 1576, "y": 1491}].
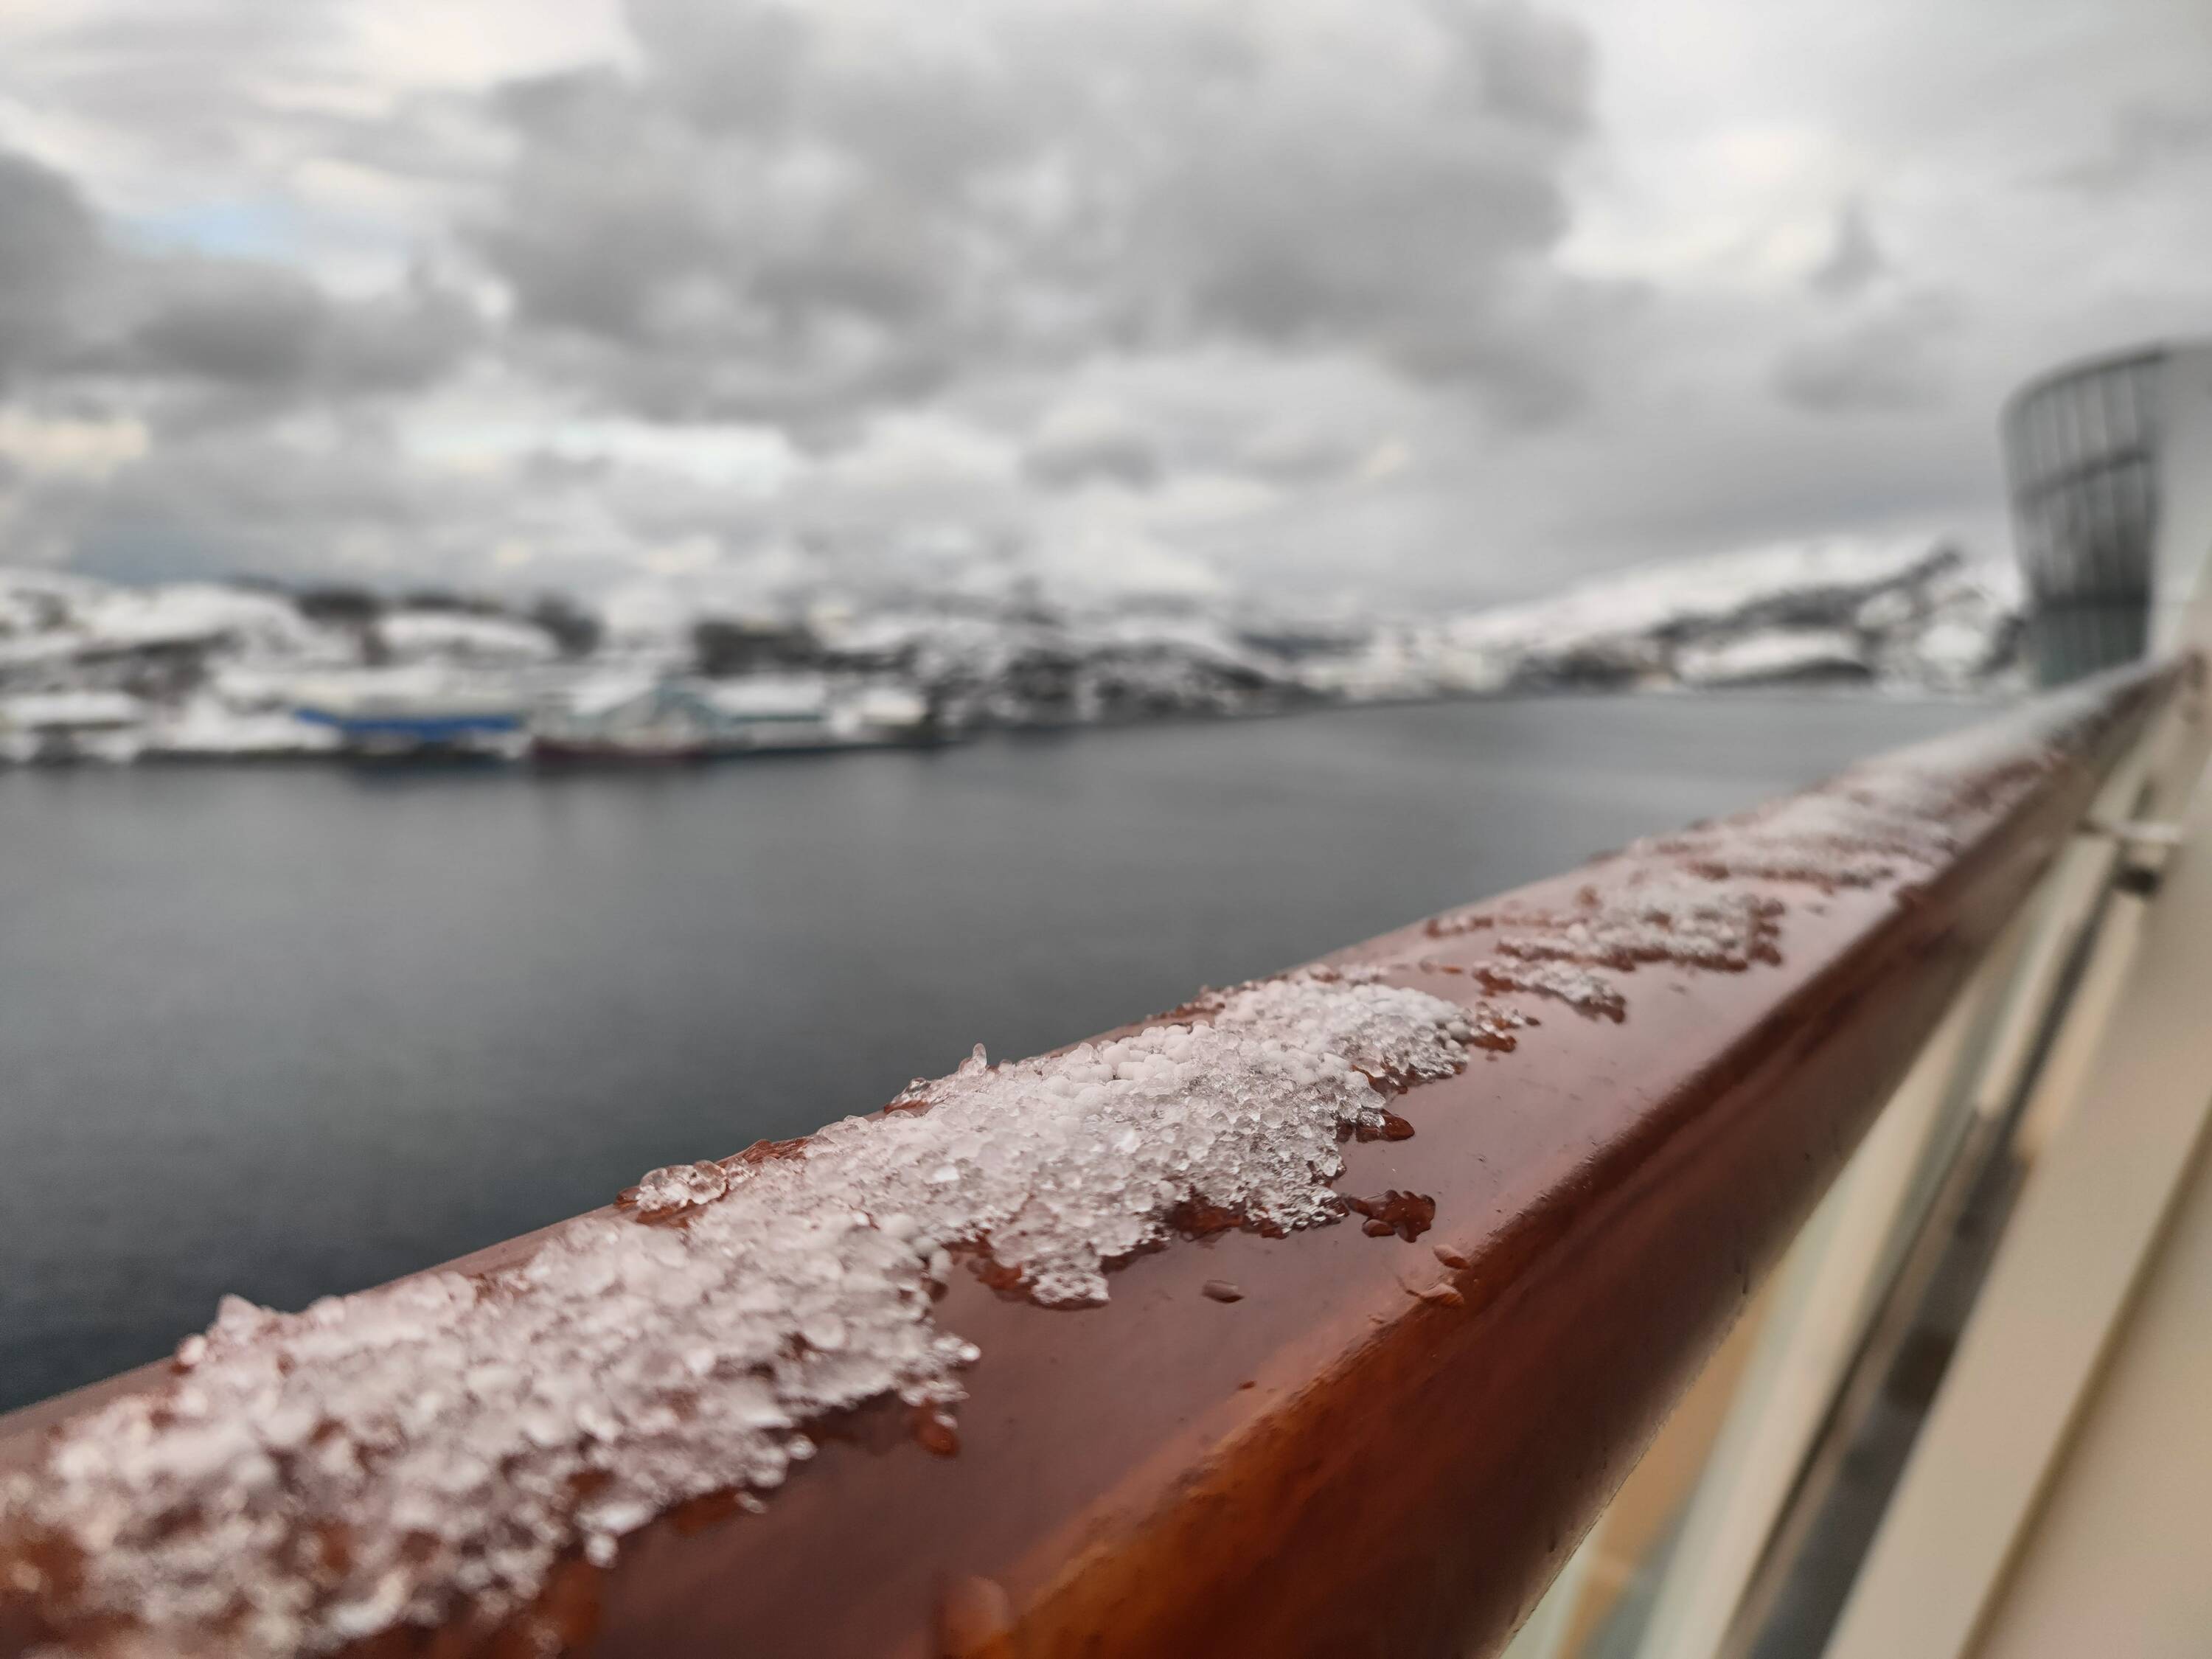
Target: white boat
[{"x": 396, "y": 712}]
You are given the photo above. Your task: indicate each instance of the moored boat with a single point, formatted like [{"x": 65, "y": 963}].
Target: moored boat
[{"x": 414, "y": 714}]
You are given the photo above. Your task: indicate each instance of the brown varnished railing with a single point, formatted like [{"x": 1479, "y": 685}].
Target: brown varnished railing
[{"x": 1378, "y": 1436}]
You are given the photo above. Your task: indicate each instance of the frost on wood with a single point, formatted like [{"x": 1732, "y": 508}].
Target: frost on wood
[
  {"x": 1628, "y": 923},
  {"x": 1861, "y": 831},
  {"x": 1578, "y": 988},
  {"x": 679, "y": 1187},
  {"x": 1683, "y": 899},
  {"x": 1874, "y": 824},
  {"x": 430, "y": 1449},
  {"x": 1724, "y": 930}
]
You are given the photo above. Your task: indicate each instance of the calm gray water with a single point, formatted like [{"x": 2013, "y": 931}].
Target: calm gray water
[{"x": 287, "y": 1032}]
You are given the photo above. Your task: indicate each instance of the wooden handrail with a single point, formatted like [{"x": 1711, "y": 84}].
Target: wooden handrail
[{"x": 1378, "y": 1436}]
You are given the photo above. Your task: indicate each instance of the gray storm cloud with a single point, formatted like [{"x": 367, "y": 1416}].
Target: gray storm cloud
[
  {"x": 48, "y": 244},
  {"x": 798, "y": 214},
  {"x": 1425, "y": 297},
  {"x": 253, "y": 328},
  {"x": 77, "y": 308}
]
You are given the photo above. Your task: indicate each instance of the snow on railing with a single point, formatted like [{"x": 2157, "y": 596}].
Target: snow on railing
[{"x": 1081, "y": 1353}]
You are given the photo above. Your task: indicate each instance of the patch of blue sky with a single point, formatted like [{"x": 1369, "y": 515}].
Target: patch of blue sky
[{"x": 233, "y": 226}]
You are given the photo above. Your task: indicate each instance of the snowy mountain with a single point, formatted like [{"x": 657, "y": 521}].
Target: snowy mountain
[
  {"x": 1905, "y": 612},
  {"x": 204, "y": 669}
]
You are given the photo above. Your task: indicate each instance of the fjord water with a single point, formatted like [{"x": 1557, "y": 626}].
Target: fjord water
[{"x": 287, "y": 1032}]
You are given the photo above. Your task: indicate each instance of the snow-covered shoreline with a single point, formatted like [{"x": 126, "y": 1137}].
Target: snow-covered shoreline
[{"x": 92, "y": 671}]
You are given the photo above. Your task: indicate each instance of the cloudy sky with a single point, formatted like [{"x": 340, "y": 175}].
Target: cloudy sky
[{"x": 1427, "y": 301}]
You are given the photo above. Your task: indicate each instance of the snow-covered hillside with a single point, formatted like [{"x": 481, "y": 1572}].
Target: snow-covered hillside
[
  {"x": 1906, "y": 612},
  {"x": 211, "y": 669}
]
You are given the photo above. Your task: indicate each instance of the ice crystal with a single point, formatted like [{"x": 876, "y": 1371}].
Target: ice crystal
[
  {"x": 431, "y": 1447},
  {"x": 1825, "y": 863},
  {"x": 679, "y": 1187},
  {"x": 1849, "y": 835},
  {"x": 1629, "y": 925},
  {"x": 1681, "y": 899},
  {"x": 1580, "y": 988},
  {"x": 1623, "y": 924}
]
